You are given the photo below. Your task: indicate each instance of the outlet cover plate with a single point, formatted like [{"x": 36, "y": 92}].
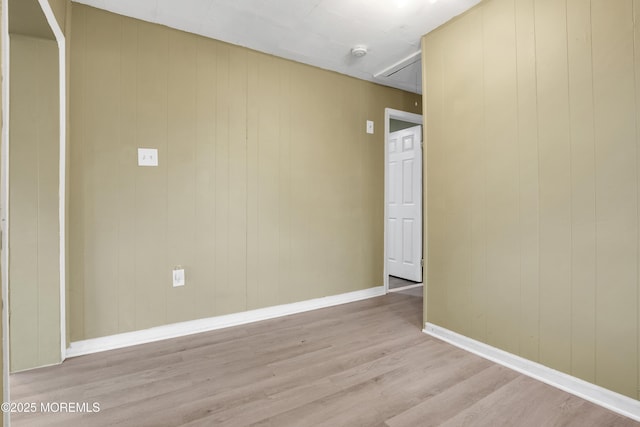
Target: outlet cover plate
[
  {"x": 147, "y": 157},
  {"x": 178, "y": 277}
]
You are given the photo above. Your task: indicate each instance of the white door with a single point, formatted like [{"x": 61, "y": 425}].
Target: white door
[{"x": 404, "y": 221}]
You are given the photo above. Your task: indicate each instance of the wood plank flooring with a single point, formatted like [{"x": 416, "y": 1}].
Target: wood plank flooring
[
  {"x": 360, "y": 364},
  {"x": 396, "y": 282}
]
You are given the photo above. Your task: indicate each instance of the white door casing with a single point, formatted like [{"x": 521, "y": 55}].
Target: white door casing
[{"x": 404, "y": 205}]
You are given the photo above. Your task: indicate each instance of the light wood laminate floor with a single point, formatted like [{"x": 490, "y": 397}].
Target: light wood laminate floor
[
  {"x": 396, "y": 282},
  {"x": 360, "y": 364}
]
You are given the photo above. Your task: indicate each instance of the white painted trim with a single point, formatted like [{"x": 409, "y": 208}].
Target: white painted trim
[
  {"x": 613, "y": 401},
  {"x": 390, "y": 113},
  {"x": 4, "y": 207},
  {"x": 406, "y": 288},
  {"x": 174, "y": 330},
  {"x": 59, "y": 35},
  {"x": 403, "y": 63}
]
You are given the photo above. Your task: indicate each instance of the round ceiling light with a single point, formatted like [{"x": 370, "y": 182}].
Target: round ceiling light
[{"x": 358, "y": 51}]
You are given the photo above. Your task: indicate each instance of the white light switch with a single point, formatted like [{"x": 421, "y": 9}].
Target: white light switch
[
  {"x": 178, "y": 277},
  {"x": 369, "y": 126},
  {"x": 147, "y": 157}
]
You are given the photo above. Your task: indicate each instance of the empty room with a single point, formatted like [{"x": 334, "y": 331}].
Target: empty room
[{"x": 320, "y": 212}]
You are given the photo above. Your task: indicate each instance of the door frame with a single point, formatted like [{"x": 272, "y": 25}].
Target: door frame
[
  {"x": 4, "y": 206},
  {"x": 62, "y": 168},
  {"x": 4, "y": 186},
  {"x": 389, "y": 114}
]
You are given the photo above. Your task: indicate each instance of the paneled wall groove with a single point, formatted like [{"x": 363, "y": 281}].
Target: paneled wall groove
[
  {"x": 574, "y": 269},
  {"x": 636, "y": 56}
]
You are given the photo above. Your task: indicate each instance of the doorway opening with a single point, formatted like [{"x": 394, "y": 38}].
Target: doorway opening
[
  {"x": 403, "y": 205},
  {"x": 32, "y": 169}
]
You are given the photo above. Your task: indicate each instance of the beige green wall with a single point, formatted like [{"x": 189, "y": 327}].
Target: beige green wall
[
  {"x": 26, "y": 18},
  {"x": 533, "y": 168},
  {"x": 268, "y": 190},
  {"x": 59, "y": 8},
  {"x": 33, "y": 202}
]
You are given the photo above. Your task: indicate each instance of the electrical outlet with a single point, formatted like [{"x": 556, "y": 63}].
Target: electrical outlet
[
  {"x": 147, "y": 157},
  {"x": 178, "y": 277}
]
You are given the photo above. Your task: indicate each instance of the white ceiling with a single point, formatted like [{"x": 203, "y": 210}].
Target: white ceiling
[{"x": 315, "y": 32}]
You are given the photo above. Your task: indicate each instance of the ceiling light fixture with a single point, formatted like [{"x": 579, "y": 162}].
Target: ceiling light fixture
[{"x": 358, "y": 51}]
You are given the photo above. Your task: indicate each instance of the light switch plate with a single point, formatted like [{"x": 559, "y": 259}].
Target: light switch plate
[
  {"x": 147, "y": 157},
  {"x": 178, "y": 277},
  {"x": 369, "y": 126}
]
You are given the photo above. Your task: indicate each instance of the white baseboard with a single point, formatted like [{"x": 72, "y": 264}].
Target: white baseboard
[
  {"x": 111, "y": 342},
  {"x": 406, "y": 288},
  {"x": 601, "y": 396}
]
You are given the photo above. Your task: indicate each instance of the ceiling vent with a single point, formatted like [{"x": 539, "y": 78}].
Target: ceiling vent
[{"x": 400, "y": 65}]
